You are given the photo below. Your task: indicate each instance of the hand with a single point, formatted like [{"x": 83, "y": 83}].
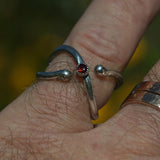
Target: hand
[{"x": 51, "y": 119}]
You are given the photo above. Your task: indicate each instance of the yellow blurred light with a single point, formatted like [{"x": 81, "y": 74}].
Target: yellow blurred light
[
  {"x": 46, "y": 43},
  {"x": 139, "y": 53},
  {"x": 26, "y": 60},
  {"x": 21, "y": 76}
]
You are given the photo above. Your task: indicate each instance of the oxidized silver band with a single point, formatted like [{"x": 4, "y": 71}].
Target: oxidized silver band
[
  {"x": 66, "y": 75},
  {"x": 82, "y": 71}
]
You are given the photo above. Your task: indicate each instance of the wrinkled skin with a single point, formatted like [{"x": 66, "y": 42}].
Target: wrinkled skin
[{"x": 51, "y": 120}]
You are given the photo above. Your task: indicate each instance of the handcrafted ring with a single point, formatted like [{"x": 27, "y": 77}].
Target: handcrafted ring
[
  {"x": 82, "y": 71},
  {"x": 146, "y": 93}
]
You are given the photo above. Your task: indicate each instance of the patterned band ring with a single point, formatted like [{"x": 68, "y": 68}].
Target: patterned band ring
[{"x": 146, "y": 93}]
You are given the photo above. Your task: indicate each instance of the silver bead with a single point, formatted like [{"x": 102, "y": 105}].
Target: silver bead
[
  {"x": 100, "y": 70},
  {"x": 65, "y": 75}
]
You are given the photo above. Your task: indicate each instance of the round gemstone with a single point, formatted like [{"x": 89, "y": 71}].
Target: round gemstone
[{"x": 82, "y": 68}]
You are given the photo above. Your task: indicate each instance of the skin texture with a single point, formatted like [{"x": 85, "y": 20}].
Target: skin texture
[{"x": 51, "y": 120}]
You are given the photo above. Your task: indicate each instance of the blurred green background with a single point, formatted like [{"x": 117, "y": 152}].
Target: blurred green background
[{"x": 31, "y": 30}]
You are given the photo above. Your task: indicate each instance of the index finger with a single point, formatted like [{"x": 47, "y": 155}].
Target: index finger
[{"x": 107, "y": 34}]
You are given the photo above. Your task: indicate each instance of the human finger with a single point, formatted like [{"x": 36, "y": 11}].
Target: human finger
[
  {"x": 107, "y": 34},
  {"x": 135, "y": 130}
]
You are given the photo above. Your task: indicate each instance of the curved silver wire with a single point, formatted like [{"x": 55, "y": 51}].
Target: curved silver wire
[
  {"x": 66, "y": 75},
  {"x": 103, "y": 72}
]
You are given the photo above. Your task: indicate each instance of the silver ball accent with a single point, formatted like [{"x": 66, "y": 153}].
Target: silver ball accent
[
  {"x": 66, "y": 75},
  {"x": 99, "y": 70}
]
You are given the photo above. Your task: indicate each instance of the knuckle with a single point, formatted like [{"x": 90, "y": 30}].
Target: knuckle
[{"x": 94, "y": 42}]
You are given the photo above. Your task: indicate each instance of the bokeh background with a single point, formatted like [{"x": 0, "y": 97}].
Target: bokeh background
[{"x": 31, "y": 29}]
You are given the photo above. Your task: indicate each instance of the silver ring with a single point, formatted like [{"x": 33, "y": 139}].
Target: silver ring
[{"x": 82, "y": 71}]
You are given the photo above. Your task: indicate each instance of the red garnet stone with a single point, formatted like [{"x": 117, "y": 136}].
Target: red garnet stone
[{"x": 82, "y": 69}]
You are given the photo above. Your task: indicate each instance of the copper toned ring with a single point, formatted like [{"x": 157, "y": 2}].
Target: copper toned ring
[{"x": 146, "y": 93}]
